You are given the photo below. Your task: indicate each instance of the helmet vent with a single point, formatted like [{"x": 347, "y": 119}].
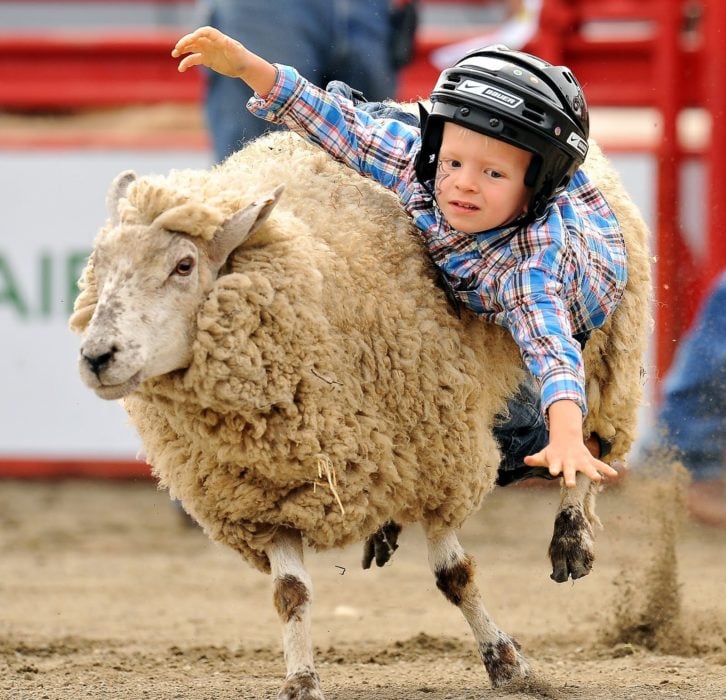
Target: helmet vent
[{"x": 533, "y": 114}]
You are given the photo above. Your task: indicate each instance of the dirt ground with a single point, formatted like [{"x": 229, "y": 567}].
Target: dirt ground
[{"x": 105, "y": 592}]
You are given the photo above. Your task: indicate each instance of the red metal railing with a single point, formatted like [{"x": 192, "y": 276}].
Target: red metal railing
[
  {"x": 714, "y": 99},
  {"x": 77, "y": 70}
]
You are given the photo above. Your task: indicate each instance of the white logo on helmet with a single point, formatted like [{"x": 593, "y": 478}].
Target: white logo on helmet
[
  {"x": 491, "y": 93},
  {"x": 578, "y": 142}
]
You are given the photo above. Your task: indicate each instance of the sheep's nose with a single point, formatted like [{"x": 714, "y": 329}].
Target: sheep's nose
[{"x": 98, "y": 362}]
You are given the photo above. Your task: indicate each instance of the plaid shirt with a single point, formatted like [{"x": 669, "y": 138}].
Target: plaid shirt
[{"x": 558, "y": 277}]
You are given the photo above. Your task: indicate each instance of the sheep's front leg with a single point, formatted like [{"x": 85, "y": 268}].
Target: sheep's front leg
[
  {"x": 292, "y": 594},
  {"x": 572, "y": 549},
  {"x": 454, "y": 571}
]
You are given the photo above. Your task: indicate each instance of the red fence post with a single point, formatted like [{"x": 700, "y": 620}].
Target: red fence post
[
  {"x": 668, "y": 243},
  {"x": 714, "y": 97}
]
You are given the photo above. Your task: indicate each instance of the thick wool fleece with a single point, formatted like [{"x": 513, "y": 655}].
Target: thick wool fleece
[
  {"x": 331, "y": 388},
  {"x": 614, "y": 355}
]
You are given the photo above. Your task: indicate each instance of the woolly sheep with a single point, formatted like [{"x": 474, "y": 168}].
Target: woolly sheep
[{"x": 296, "y": 376}]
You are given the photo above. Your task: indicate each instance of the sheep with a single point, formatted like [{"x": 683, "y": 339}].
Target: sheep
[{"x": 275, "y": 333}]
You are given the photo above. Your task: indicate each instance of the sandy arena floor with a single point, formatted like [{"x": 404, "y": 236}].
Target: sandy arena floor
[{"x": 106, "y": 593}]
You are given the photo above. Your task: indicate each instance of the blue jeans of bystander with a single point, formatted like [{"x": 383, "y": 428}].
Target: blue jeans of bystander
[
  {"x": 692, "y": 416},
  {"x": 324, "y": 39}
]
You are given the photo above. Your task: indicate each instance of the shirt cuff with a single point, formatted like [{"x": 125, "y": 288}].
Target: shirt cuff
[
  {"x": 289, "y": 84},
  {"x": 563, "y": 389}
]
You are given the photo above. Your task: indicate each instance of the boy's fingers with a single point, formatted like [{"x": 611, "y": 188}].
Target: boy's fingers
[
  {"x": 595, "y": 475},
  {"x": 194, "y": 40},
  {"x": 595, "y": 471},
  {"x": 556, "y": 468},
  {"x": 194, "y": 59},
  {"x": 182, "y": 45},
  {"x": 602, "y": 470},
  {"x": 536, "y": 460},
  {"x": 181, "y": 49}
]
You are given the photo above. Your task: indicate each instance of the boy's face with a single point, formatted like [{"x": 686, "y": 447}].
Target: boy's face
[{"x": 480, "y": 180}]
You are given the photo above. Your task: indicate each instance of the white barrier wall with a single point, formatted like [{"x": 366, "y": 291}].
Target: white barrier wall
[{"x": 52, "y": 205}]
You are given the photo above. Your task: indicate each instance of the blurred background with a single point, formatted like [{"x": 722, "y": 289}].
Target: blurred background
[{"x": 88, "y": 88}]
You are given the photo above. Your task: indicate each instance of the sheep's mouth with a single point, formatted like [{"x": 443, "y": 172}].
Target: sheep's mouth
[{"x": 111, "y": 392}]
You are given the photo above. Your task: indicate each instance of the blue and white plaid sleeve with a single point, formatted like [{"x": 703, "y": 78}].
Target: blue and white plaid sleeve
[
  {"x": 379, "y": 149},
  {"x": 539, "y": 323},
  {"x": 533, "y": 296}
]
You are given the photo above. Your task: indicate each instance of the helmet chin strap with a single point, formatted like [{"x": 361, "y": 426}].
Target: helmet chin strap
[
  {"x": 539, "y": 210},
  {"x": 423, "y": 161},
  {"x": 524, "y": 219}
]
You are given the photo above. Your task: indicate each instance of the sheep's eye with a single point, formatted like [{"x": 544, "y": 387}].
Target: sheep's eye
[{"x": 184, "y": 267}]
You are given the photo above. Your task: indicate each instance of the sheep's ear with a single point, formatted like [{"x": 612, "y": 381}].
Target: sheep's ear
[
  {"x": 117, "y": 191},
  {"x": 240, "y": 226}
]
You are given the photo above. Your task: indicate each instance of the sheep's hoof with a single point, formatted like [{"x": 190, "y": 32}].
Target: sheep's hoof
[
  {"x": 572, "y": 548},
  {"x": 303, "y": 685},
  {"x": 503, "y": 661},
  {"x": 381, "y": 544}
]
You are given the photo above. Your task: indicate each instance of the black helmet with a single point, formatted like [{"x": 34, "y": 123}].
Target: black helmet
[{"x": 520, "y": 99}]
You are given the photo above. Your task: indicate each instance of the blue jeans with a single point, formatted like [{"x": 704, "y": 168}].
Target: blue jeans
[
  {"x": 377, "y": 109},
  {"x": 521, "y": 431},
  {"x": 691, "y": 420},
  {"x": 348, "y": 40}
]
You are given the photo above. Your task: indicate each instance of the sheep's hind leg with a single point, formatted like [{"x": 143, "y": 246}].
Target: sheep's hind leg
[
  {"x": 572, "y": 549},
  {"x": 292, "y": 594},
  {"x": 454, "y": 572}
]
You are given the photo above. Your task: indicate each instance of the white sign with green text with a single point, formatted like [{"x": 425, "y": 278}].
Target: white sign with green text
[{"x": 52, "y": 204}]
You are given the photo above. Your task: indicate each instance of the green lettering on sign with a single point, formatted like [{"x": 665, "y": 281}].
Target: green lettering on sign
[
  {"x": 46, "y": 285},
  {"x": 52, "y": 290},
  {"x": 9, "y": 290},
  {"x": 74, "y": 266}
]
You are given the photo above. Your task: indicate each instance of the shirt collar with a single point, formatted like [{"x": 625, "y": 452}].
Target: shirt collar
[{"x": 495, "y": 235}]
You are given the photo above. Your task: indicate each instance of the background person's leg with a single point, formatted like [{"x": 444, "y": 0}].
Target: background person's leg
[{"x": 297, "y": 35}]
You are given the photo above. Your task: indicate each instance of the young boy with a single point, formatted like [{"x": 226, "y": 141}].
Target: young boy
[{"x": 491, "y": 181}]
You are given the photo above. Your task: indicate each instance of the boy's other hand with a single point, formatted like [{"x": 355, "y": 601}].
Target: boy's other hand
[
  {"x": 567, "y": 459},
  {"x": 209, "y": 47},
  {"x": 566, "y": 454}
]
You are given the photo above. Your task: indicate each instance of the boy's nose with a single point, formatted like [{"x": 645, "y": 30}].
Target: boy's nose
[{"x": 466, "y": 180}]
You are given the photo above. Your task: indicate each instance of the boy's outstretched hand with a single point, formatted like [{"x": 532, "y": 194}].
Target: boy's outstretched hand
[
  {"x": 566, "y": 453},
  {"x": 209, "y": 47}
]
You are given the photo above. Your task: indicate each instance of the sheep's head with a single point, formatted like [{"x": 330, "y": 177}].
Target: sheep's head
[{"x": 151, "y": 268}]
